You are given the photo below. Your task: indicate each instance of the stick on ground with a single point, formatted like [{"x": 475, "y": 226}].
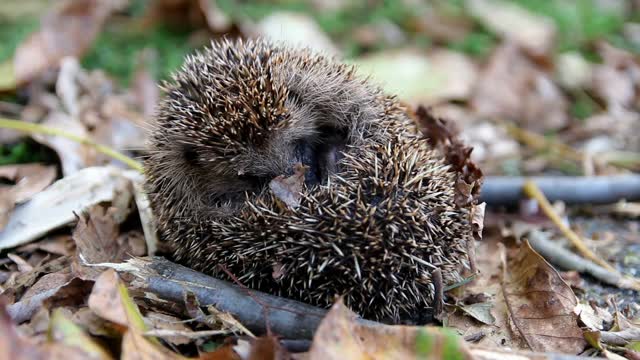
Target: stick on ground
[
  {"x": 287, "y": 318},
  {"x": 506, "y": 191}
]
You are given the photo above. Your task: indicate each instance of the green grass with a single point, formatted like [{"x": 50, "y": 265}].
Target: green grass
[
  {"x": 26, "y": 151},
  {"x": 116, "y": 50}
]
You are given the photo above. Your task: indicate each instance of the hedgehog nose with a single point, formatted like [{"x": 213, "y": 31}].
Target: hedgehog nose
[{"x": 305, "y": 154}]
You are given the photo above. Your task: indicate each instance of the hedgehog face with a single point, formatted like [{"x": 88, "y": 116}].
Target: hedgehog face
[{"x": 377, "y": 214}]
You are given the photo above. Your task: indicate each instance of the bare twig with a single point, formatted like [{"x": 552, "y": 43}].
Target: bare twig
[
  {"x": 503, "y": 190},
  {"x": 438, "y": 297},
  {"x": 169, "y": 281},
  {"x": 532, "y": 190},
  {"x": 556, "y": 254}
]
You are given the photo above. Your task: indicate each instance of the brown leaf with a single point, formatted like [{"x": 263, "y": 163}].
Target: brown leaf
[
  {"x": 288, "y": 189},
  {"x": 512, "y": 87},
  {"x": 105, "y": 299},
  {"x": 540, "y": 304},
  {"x": 442, "y": 134},
  {"x": 68, "y": 30},
  {"x": 534, "y": 32},
  {"x": 28, "y": 179},
  {"x": 54, "y": 289},
  {"x": 16, "y": 347},
  {"x": 145, "y": 89},
  {"x": 136, "y": 347},
  {"x": 340, "y": 337},
  {"x": 98, "y": 239}
]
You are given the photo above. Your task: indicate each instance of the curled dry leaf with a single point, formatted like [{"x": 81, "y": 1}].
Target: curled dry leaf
[
  {"x": 340, "y": 337},
  {"x": 540, "y": 304},
  {"x": 288, "y": 189},
  {"x": 68, "y": 30},
  {"x": 28, "y": 180}
]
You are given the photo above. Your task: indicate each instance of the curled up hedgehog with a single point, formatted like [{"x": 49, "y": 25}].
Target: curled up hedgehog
[{"x": 305, "y": 181}]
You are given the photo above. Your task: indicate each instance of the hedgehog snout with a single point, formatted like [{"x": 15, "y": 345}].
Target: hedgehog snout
[{"x": 320, "y": 159}]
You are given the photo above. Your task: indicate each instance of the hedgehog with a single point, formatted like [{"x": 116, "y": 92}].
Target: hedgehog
[{"x": 375, "y": 213}]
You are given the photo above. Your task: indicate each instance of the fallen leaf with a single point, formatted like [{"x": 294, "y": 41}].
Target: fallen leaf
[
  {"x": 98, "y": 239},
  {"x": 109, "y": 299},
  {"x": 68, "y": 30},
  {"x": 540, "y": 304},
  {"x": 18, "y": 347},
  {"x": 53, "y": 289},
  {"x": 512, "y": 22},
  {"x": 294, "y": 29},
  {"x": 56, "y": 205},
  {"x": 136, "y": 347},
  {"x": 421, "y": 78},
  {"x": 340, "y": 337},
  {"x": 145, "y": 89},
  {"x": 159, "y": 321},
  {"x": 217, "y": 20},
  {"x": 288, "y": 189},
  {"x": 512, "y": 87},
  {"x": 480, "y": 311},
  {"x": 28, "y": 179},
  {"x": 64, "y": 331},
  {"x": 616, "y": 80},
  {"x": 23, "y": 265}
]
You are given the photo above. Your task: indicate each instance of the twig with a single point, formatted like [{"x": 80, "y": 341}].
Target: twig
[
  {"x": 438, "y": 297},
  {"x": 40, "y": 129},
  {"x": 163, "y": 333},
  {"x": 532, "y": 190},
  {"x": 169, "y": 281},
  {"x": 503, "y": 190},
  {"x": 567, "y": 260}
]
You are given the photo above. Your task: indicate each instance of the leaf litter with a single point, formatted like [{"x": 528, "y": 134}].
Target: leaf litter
[{"x": 59, "y": 236}]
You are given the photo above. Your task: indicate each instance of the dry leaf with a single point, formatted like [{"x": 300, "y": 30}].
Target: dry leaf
[
  {"x": 137, "y": 347},
  {"x": 540, "y": 304},
  {"x": 294, "y": 29},
  {"x": 64, "y": 331},
  {"x": 288, "y": 189},
  {"x": 340, "y": 337},
  {"x": 422, "y": 78},
  {"x": 514, "y": 23},
  {"x": 68, "y": 30},
  {"x": 53, "y": 289},
  {"x": 105, "y": 299},
  {"x": 98, "y": 239},
  {"x": 28, "y": 179},
  {"x": 480, "y": 311},
  {"x": 512, "y": 87},
  {"x": 16, "y": 347},
  {"x": 56, "y": 205}
]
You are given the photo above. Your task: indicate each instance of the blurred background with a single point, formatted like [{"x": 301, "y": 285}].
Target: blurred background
[{"x": 535, "y": 86}]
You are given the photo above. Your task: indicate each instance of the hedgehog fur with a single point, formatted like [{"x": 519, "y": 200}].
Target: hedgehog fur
[{"x": 377, "y": 212}]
